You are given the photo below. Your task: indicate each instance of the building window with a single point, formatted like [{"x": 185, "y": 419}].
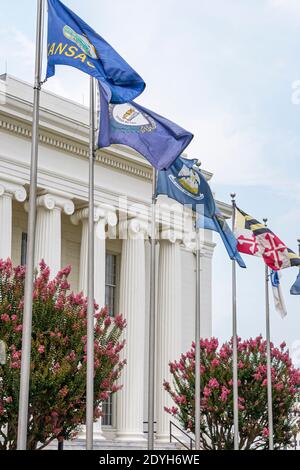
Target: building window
[
  {"x": 24, "y": 249},
  {"x": 107, "y": 410},
  {"x": 111, "y": 283},
  {"x": 111, "y": 293}
]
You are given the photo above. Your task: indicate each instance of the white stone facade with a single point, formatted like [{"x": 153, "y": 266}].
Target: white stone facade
[{"x": 61, "y": 239}]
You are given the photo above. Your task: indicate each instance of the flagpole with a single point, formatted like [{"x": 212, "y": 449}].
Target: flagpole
[
  {"x": 90, "y": 293},
  {"x": 27, "y": 313},
  {"x": 197, "y": 339},
  {"x": 197, "y": 345},
  {"x": 269, "y": 359},
  {"x": 234, "y": 343},
  {"x": 152, "y": 319}
]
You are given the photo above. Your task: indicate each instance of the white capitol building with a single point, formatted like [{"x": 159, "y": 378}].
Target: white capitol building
[{"x": 122, "y": 183}]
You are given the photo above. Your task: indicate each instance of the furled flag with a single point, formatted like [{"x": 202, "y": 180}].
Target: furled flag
[
  {"x": 159, "y": 140},
  {"x": 186, "y": 184},
  {"x": 254, "y": 238},
  {"x": 295, "y": 289},
  {"x": 277, "y": 294},
  {"x": 72, "y": 42}
]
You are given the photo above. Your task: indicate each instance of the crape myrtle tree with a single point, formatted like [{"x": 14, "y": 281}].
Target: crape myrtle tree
[
  {"x": 217, "y": 394},
  {"x": 58, "y": 360}
]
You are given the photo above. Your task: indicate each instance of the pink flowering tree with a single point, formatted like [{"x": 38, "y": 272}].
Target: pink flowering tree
[
  {"x": 58, "y": 359},
  {"x": 217, "y": 394}
]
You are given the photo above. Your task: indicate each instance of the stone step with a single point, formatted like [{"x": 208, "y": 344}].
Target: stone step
[{"x": 106, "y": 444}]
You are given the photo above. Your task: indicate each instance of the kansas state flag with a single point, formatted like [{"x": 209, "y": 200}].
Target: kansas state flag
[
  {"x": 72, "y": 42},
  {"x": 159, "y": 140}
]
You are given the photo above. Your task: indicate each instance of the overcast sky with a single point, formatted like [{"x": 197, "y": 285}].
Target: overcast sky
[{"x": 227, "y": 71}]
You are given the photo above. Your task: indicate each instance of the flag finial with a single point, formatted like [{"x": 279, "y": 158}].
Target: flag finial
[
  {"x": 199, "y": 163},
  {"x": 265, "y": 221},
  {"x": 232, "y": 195}
]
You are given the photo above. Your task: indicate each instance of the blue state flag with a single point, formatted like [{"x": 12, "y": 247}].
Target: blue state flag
[
  {"x": 185, "y": 183},
  {"x": 218, "y": 224},
  {"x": 72, "y": 42},
  {"x": 295, "y": 289},
  {"x": 159, "y": 140}
]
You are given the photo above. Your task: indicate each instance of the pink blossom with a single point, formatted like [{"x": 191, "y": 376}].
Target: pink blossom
[
  {"x": 215, "y": 362},
  {"x": 41, "y": 349},
  {"x": 207, "y": 392},
  {"x": 120, "y": 322},
  {"x": 8, "y": 399},
  {"x": 279, "y": 386},
  {"x": 265, "y": 432},
  {"x": 213, "y": 383},
  {"x": 224, "y": 394},
  {"x": 104, "y": 396},
  {"x": 5, "y": 317},
  {"x": 15, "y": 365}
]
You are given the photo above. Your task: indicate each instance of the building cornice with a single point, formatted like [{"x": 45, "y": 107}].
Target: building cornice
[{"x": 107, "y": 157}]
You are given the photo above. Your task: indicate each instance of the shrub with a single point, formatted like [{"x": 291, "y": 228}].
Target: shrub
[
  {"x": 58, "y": 357},
  {"x": 217, "y": 394}
]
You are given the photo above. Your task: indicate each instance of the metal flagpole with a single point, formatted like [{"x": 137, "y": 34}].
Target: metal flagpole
[
  {"x": 197, "y": 339},
  {"x": 27, "y": 314},
  {"x": 152, "y": 319},
  {"x": 269, "y": 373},
  {"x": 90, "y": 310},
  {"x": 234, "y": 344},
  {"x": 197, "y": 345}
]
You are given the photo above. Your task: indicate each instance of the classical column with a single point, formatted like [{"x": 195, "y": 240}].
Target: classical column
[
  {"x": 206, "y": 286},
  {"x": 168, "y": 325},
  {"x": 132, "y": 307},
  {"x": 102, "y": 216},
  {"x": 9, "y": 190},
  {"x": 48, "y": 229}
]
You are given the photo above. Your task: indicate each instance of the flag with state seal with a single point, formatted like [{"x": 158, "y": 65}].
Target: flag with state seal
[
  {"x": 159, "y": 140},
  {"x": 255, "y": 239}
]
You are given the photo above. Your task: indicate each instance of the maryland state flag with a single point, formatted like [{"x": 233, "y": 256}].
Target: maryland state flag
[{"x": 254, "y": 238}]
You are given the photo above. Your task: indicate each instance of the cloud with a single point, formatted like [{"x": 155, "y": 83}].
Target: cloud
[
  {"x": 234, "y": 154},
  {"x": 290, "y": 7},
  {"x": 15, "y": 46}
]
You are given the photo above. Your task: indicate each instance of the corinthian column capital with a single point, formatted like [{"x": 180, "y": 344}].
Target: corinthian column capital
[{"x": 12, "y": 189}]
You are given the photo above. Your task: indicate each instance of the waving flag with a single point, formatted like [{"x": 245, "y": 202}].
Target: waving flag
[
  {"x": 254, "y": 238},
  {"x": 295, "y": 289},
  {"x": 218, "y": 224},
  {"x": 159, "y": 140},
  {"x": 277, "y": 294},
  {"x": 72, "y": 42},
  {"x": 185, "y": 183}
]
